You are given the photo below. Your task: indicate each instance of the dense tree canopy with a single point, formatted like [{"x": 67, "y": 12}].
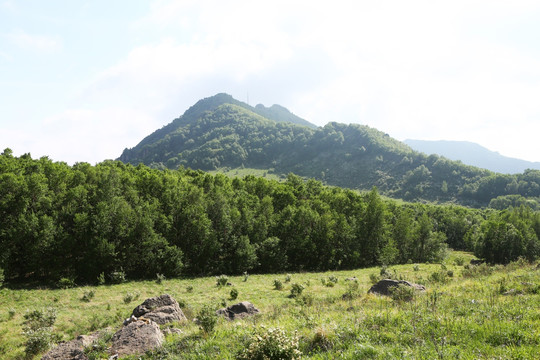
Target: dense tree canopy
[{"x": 81, "y": 221}]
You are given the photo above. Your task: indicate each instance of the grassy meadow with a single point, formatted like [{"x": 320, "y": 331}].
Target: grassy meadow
[{"x": 466, "y": 313}]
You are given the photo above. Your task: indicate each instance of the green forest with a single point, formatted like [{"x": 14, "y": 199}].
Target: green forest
[
  {"x": 85, "y": 222},
  {"x": 223, "y": 133}
]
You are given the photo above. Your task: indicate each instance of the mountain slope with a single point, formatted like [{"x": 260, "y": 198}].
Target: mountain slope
[
  {"x": 473, "y": 154},
  {"x": 220, "y": 132}
]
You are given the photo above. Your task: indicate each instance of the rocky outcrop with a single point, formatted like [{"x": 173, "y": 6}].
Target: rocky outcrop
[
  {"x": 238, "y": 311},
  {"x": 385, "y": 286},
  {"x": 160, "y": 309},
  {"x": 74, "y": 349},
  {"x": 136, "y": 338}
]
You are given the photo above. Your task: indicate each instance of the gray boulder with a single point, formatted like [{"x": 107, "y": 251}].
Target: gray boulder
[
  {"x": 136, "y": 338},
  {"x": 74, "y": 349},
  {"x": 160, "y": 309},
  {"x": 238, "y": 311},
  {"x": 385, "y": 286}
]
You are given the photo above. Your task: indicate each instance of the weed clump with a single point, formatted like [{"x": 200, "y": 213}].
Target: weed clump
[
  {"x": 296, "y": 290},
  {"x": 278, "y": 285},
  {"x": 66, "y": 283},
  {"x": 233, "y": 294},
  {"x": 273, "y": 344},
  {"x": 222, "y": 280},
  {"x": 117, "y": 277},
  {"x": 129, "y": 297},
  {"x": 37, "y": 328},
  {"x": 88, "y": 295},
  {"x": 160, "y": 278},
  {"x": 207, "y": 319},
  {"x": 402, "y": 293}
]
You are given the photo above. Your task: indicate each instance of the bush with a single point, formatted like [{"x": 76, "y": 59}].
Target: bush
[
  {"x": 101, "y": 279},
  {"x": 37, "y": 341},
  {"x": 459, "y": 261},
  {"x": 288, "y": 278},
  {"x": 37, "y": 328},
  {"x": 129, "y": 297},
  {"x": 207, "y": 319},
  {"x": 88, "y": 295},
  {"x": 352, "y": 290},
  {"x": 402, "y": 293},
  {"x": 159, "y": 278},
  {"x": 273, "y": 344},
  {"x": 296, "y": 290},
  {"x": 278, "y": 285},
  {"x": 246, "y": 276},
  {"x": 11, "y": 313},
  {"x": 66, "y": 283},
  {"x": 39, "y": 318},
  {"x": 233, "y": 294},
  {"x": 117, "y": 277},
  {"x": 189, "y": 288},
  {"x": 222, "y": 280},
  {"x": 472, "y": 271}
]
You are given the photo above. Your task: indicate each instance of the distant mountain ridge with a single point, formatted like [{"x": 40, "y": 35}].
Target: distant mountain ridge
[
  {"x": 220, "y": 132},
  {"x": 473, "y": 154}
]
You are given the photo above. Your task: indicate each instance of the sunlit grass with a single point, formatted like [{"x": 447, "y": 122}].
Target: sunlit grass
[{"x": 480, "y": 316}]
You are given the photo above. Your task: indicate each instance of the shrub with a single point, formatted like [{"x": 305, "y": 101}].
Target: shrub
[
  {"x": 273, "y": 344},
  {"x": 117, "y": 277},
  {"x": 321, "y": 341},
  {"x": 39, "y": 318},
  {"x": 459, "y": 261},
  {"x": 88, "y": 295},
  {"x": 37, "y": 328},
  {"x": 246, "y": 276},
  {"x": 159, "y": 278},
  {"x": 402, "y": 293},
  {"x": 222, "y": 280},
  {"x": 11, "y": 313},
  {"x": 373, "y": 278},
  {"x": 207, "y": 319},
  {"x": 333, "y": 279},
  {"x": 101, "y": 279},
  {"x": 66, "y": 283},
  {"x": 37, "y": 341},
  {"x": 296, "y": 290},
  {"x": 129, "y": 297},
  {"x": 278, "y": 285},
  {"x": 416, "y": 268},
  {"x": 233, "y": 294},
  {"x": 440, "y": 276},
  {"x": 288, "y": 278},
  {"x": 352, "y": 290}
]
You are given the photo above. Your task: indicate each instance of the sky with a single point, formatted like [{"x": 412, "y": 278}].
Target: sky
[{"x": 82, "y": 80}]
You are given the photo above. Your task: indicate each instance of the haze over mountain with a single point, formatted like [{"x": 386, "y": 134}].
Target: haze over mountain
[
  {"x": 473, "y": 154},
  {"x": 221, "y": 133}
]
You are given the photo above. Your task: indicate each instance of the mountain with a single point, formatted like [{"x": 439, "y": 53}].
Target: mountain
[
  {"x": 223, "y": 133},
  {"x": 473, "y": 154}
]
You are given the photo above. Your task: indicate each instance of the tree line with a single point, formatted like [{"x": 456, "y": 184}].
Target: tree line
[{"x": 81, "y": 221}]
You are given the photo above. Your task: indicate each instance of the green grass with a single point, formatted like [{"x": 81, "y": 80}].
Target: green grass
[
  {"x": 478, "y": 316},
  {"x": 241, "y": 172}
]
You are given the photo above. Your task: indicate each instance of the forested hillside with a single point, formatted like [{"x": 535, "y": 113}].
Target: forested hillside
[
  {"x": 220, "y": 132},
  {"x": 82, "y": 221}
]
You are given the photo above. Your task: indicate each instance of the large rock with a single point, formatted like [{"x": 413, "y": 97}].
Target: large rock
[
  {"x": 72, "y": 350},
  {"x": 136, "y": 338},
  {"x": 160, "y": 309},
  {"x": 385, "y": 286},
  {"x": 238, "y": 311}
]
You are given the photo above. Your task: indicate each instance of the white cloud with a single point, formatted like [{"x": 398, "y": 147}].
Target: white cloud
[
  {"x": 35, "y": 42},
  {"x": 418, "y": 69}
]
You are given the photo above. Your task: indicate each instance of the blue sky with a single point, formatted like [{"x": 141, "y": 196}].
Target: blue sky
[{"x": 82, "y": 80}]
